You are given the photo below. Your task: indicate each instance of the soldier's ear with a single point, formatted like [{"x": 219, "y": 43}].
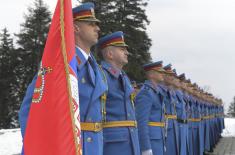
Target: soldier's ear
[
  {"x": 76, "y": 28},
  {"x": 108, "y": 54}
]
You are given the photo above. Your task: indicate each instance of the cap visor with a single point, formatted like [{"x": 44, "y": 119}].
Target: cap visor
[
  {"x": 120, "y": 45},
  {"x": 90, "y": 20}
]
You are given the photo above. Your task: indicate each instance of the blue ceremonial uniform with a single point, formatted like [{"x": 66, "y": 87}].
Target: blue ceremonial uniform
[
  {"x": 170, "y": 101},
  {"x": 212, "y": 127},
  {"x": 207, "y": 128},
  {"x": 182, "y": 123},
  {"x": 119, "y": 107},
  {"x": 221, "y": 118},
  {"x": 150, "y": 108},
  {"x": 190, "y": 124},
  {"x": 217, "y": 121},
  {"x": 91, "y": 88},
  {"x": 172, "y": 147},
  {"x": 196, "y": 127},
  {"x": 201, "y": 127}
]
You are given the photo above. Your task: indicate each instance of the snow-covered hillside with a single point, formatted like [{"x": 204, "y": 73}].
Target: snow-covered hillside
[{"x": 11, "y": 141}]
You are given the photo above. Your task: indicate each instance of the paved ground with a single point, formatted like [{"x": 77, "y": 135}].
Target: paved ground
[{"x": 226, "y": 146}]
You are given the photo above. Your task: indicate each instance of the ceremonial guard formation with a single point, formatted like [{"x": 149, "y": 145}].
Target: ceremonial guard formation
[
  {"x": 166, "y": 115},
  {"x": 174, "y": 116}
]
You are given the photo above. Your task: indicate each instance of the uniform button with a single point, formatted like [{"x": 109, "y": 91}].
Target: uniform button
[
  {"x": 128, "y": 114},
  {"x": 90, "y": 119},
  {"x": 132, "y": 130},
  {"x": 89, "y": 139}
]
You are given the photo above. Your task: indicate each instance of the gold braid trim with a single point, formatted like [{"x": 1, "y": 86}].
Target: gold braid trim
[
  {"x": 67, "y": 74},
  {"x": 104, "y": 96}
]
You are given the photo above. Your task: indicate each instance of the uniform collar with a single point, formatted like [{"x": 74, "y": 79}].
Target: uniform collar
[
  {"x": 171, "y": 91},
  {"x": 81, "y": 58},
  {"x": 186, "y": 96},
  {"x": 150, "y": 84},
  {"x": 112, "y": 70},
  {"x": 179, "y": 92},
  {"x": 83, "y": 53},
  {"x": 163, "y": 87}
]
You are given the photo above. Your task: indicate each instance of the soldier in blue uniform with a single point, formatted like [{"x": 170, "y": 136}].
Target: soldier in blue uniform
[
  {"x": 217, "y": 119},
  {"x": 119, "y": 122},
  {"x": 150, "y": 111},
  {"x": 172, "y": 145},
  {"x": 196, "y": 119},
  {"x": 90, "y": 82},
  {"x": 182, "y": 118},
  {"x": 202, "y": 123},
  {"x": 211, "y": 132},
  {"x": 210, "y": 122},
  {"x": 190, "y": 115},
  {"x": 207, "y": 125},
  {"x": 213, "y": 124},
  {"x": 220, "y": 115}
]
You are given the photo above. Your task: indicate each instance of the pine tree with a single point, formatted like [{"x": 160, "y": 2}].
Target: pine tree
[
  {"x": 231, "y": 109},
  {"x": 31, "y": 41},
  {"x": 127, "y": 16},
  {"x": 6, "y": 79}
]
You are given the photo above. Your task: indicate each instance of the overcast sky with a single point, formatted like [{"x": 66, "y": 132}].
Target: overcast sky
[{"x": 196, "y": 36}]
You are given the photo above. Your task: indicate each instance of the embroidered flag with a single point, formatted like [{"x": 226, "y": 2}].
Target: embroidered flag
[{"x": 53, "y": 126}]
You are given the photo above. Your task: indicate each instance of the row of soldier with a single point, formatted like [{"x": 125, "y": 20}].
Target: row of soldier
[
  {"x": 174, "y": 116},
  {"x": 168, "y": 115}
]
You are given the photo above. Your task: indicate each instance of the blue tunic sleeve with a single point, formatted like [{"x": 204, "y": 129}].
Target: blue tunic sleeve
[{"x": 143, "y": 102}]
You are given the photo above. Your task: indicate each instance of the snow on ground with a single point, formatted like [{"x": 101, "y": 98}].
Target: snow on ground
[
  {"x": 11, "y": 141},
  {"x": 229, "y": 130}
]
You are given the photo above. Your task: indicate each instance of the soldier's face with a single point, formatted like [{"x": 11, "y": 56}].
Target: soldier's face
[
  {"x": 86, "y": 32},
  {"x": 184, "y": 85},
  {"x": 168, "y": 79},
  {"x": 120, "y": 55},
  {"x": 158, "y": 77},
  {"x": 177, "y": 82}
]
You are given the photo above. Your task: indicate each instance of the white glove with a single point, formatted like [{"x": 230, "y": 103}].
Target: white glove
[{"x": 147, "y": 152}]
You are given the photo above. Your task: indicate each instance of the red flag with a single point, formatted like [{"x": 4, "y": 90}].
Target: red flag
[{"x": 53, "y": 126}]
